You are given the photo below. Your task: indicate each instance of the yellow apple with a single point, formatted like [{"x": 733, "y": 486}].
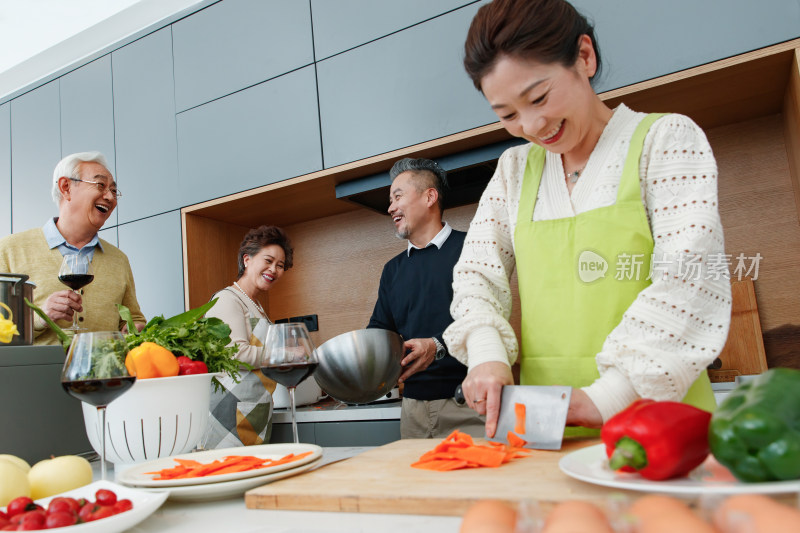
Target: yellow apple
[
  {"x": 13, "y": 483},
  {"x": 60, "y": 474},
  {"x": 13, "y": 459}
]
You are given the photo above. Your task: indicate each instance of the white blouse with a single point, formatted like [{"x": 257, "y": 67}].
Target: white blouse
[{"x": 676, "y": 326}]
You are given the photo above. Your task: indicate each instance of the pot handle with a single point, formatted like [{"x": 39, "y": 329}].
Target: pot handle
[{"x": 18, "y": 279}]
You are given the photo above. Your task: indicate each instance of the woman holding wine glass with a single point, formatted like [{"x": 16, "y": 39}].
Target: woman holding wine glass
[
  {"x": 86, "y": 195},
  {"x": 241, "y": 414}
]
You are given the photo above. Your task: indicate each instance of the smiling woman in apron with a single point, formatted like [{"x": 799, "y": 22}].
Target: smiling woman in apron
[{"x": 610, "y": 219}]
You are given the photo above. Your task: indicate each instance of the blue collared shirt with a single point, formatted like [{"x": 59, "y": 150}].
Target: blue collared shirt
[
  {"x": 56, "y": 240},
  {"x": 437, "y": 241}
]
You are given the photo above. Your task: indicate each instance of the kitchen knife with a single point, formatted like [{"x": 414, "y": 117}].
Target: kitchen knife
[{"x": 542, "y": 418}]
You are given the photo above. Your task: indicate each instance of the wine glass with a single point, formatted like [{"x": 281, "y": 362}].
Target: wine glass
[
  {"x": 75, "y": 273},
  {"x": 288, "y": 358},
  {"x": 95, "y": 372}
]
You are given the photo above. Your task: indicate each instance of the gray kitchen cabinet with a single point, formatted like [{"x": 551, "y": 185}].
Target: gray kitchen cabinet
[
  {"x": 153, "y": 247},
  {"x": 234, "y": 44},
  {"x": 87, "y": 114},
  {"x": 144, "y": 127},
  {"x": 350, "y": 433},
  {"x": 35, "y": 151},
  {"x": 397, "y": 91},
  {"x": 5, "y": 170},
  {"x": 264, "y": 134},
  {"x": 343, "y": 24}
]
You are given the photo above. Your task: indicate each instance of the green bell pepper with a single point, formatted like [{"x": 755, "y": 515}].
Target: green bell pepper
[{"x": 756, "y": 430}]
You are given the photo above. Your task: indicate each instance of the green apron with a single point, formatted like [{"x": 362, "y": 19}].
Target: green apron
[{"x": 567, "y": 268}]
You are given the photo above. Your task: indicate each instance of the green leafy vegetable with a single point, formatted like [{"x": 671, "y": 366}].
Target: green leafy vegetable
[
  {"x": 199, "y": 339},
  {"x": 62, "y": 336}
]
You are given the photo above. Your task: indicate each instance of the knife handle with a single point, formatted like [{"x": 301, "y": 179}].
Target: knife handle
[{"x": 458, "y": 396}]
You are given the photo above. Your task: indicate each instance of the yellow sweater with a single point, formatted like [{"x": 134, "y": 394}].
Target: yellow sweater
[{"x": 27, "y": 252}]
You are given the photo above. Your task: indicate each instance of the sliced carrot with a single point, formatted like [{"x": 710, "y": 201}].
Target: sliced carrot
[
  {"x": 519, "y": 413},
  {"x": 188, "y": 468},
  {"x": 458, "y": 450},
  {"x": 515, "y": 440}
]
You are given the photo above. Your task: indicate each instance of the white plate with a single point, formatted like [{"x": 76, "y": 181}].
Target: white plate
[
  {"x": 137, "y": 476},
  {"x": 591, "y": 465},
  {"x": 229, "y": 489},
  {"x": 145, "y": 503}
]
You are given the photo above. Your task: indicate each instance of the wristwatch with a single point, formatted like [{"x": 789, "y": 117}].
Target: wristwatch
[{"x": 440, "y": 349}]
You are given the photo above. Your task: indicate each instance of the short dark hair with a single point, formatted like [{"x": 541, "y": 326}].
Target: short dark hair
[
  {"x": 263, "y": 236},
  {"x": 435, "y": 177},
  {"x": 547, "y": 31}
]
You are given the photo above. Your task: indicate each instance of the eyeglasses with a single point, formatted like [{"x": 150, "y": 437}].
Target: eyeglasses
[{"x": 102, "y": 187}]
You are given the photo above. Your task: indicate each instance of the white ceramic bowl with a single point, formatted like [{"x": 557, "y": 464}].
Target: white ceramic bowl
[
  {"x": 305, "y": 393},
  {"x": 157, "y": 417}
]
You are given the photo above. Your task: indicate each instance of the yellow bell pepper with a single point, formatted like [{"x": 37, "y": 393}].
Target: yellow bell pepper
[
  {"x": 149, "y": 360},
  {"x": 7, "y": 327}
]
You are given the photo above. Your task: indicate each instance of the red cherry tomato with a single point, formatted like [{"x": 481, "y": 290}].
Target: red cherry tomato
[
  {"x": 123, "y": 505},
  {"x": 62, "y": 504},
  {"x": 3, "y": 515},
  {"x": 102, "y": 511},
  {"x": 86, "y": 511},
  {"x": 105, "y": 497},
  {"x": 31, "y": 520},
  {"x": 19, "y": 506},
  {"x": 60, "y": 519},
  {"x": 4, "y": 521}
]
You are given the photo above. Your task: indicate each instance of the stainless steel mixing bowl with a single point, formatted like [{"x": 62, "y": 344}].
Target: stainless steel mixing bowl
[{"x": 360, "y": 366}]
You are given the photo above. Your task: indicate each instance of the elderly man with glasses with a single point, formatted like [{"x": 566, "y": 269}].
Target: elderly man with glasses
[{"x": 86, "y": 195}]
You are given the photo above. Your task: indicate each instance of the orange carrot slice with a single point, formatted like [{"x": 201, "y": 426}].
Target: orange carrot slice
[
  {"x": 519, "y": 413},
  {"x": 227, "y": 465},
  {"x": 515, "y": 440},
  {"x": 458, "y": 450}
]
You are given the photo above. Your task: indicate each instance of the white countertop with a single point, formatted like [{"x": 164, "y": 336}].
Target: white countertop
[
  {"x": 231, "y": 515},
  {"x": 332, "y": 411}
]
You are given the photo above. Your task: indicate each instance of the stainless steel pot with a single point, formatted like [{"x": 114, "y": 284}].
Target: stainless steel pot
[{"x": 14, "y": 288}]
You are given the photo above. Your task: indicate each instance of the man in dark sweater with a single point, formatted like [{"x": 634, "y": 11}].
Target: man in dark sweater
[{"x": 414, "y": 298}]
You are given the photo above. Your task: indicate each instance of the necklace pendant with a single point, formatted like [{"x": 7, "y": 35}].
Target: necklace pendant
[{"x": 573, "y": 177}]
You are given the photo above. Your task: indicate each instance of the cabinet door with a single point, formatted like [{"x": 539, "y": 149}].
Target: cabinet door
[
  {"x": 144, "y": 126},
  {"x": 35, "y": 151},
  {"x": 87, "y": 113},
  {"x": 264, "y": 134},
  {"x": 153, "y": 247},
  {"x": 5, "y": 170},
  {"x": 403, "y": 89},
  {"x": 237, "y": 43},
  {"x": 342, "y": 24}
]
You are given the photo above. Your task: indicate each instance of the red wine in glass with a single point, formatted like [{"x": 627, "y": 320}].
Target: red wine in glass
[
  {"x": 98, "y": 392},
  {"x": 75, "y": 273},
  {"x": 76, "y": 281},
  {"x": 290, "y": 375}
]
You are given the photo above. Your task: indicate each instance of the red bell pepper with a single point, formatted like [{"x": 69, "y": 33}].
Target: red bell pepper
[
  {"x": 660, "y": 440},
  {"x": 188, "y": 366}
]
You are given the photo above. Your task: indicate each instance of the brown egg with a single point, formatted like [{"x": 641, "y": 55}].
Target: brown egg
[
  {"x": 758, "y": 514},
  {"x": 576, "y": 517},
  {"x": 489, "y": 516}
]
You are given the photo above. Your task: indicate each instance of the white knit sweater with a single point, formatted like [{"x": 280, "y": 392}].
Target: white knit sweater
[{"x": 675, "y": 327}]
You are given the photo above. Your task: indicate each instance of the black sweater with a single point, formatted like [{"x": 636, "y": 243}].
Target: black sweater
[{"x": 414, "y": 300}]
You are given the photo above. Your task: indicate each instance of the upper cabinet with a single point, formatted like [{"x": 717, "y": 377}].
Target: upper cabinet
[
  {"x": 5, "y": 169},
  {"x": 264, "y": 134},
  {"x": 397, "y": 91},
  {"x": 234, "y": 44},
  {"x": 87, "y": 113},
  {"x": 35, "y": 151},
  {"x": 144, "y": 125},
  {"x": 343, "y": 24}
]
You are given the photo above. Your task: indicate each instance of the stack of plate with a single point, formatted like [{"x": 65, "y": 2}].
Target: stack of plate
[{"x": 220, "y": 486}]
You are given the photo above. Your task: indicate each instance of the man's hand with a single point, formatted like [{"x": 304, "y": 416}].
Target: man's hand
[
  {"x": 582, "y": 411},
  {"x": 483, "y": 389},
  {"x": 419, "y": 357},
  {"x": 62, "y": 305}
]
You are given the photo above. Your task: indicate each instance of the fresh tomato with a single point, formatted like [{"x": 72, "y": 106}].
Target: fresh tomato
[
  {"x": 60, "y": 519},
  {"x": 86, "y": 511},
  {"x": 105, "y": 497},
  {"x": 123, "y": 505},
  {"x": 4, "y": 521},
  {"x": 31, "y": 520},
  {"x": 19, "y": 506},
  {"x": 102, "y": 511},
  {"x": 62, "y": 504}
]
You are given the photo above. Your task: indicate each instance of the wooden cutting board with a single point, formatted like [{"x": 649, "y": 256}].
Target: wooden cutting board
[{"x": 381, "y": 481}]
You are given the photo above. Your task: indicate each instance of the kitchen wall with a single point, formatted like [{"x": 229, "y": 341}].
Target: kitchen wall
[{"x": 243, "y": 93}]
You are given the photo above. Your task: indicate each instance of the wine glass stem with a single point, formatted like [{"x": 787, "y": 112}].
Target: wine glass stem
[
  {"x": 294, "y": 416},
  {"x": 75, "y": 316},
  {"x": 102, "y": 412}
]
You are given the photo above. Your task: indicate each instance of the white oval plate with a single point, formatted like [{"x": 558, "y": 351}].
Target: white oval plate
[
  {"x": 137, "y": 475},
  {"x": 230, "y": 489},
  {"x": 590, "y": 464},
  {"x": 144, "y": 502}
]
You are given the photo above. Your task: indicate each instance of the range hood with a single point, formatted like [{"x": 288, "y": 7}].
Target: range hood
[{"x": 468, "y": 173}]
